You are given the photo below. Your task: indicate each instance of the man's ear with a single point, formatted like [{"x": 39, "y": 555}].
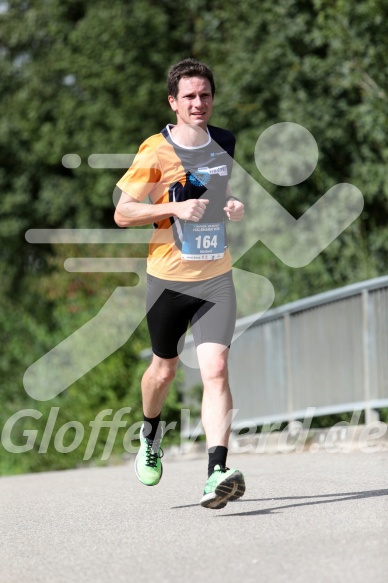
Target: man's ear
[{"x": 171, "y": 101}]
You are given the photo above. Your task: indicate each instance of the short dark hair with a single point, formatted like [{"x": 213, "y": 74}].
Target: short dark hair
[{"x": 188, "y": 68}]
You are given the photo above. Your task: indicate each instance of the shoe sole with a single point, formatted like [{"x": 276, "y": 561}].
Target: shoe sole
[
  {"x": 228, "y": 490},
  {"x": 140, "y": 480}
]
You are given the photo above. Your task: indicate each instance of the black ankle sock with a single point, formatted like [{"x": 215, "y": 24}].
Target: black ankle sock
[
  {"x": 152, "y": 428},
  {"x": 217, "y": 455}
]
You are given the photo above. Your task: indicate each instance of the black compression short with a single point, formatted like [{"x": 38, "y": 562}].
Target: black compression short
[{"x": 208, "y": 306}]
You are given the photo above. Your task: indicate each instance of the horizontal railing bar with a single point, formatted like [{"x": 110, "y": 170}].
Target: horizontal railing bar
[{"x": 315, "y": 300}]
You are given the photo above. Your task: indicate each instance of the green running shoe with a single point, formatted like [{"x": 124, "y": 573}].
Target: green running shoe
[
  {"x": 148, "y": 466},
  {"x": 223, "y": 486}
]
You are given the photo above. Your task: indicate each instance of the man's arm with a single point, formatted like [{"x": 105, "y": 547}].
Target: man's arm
[{"x": 131, "y": 213}]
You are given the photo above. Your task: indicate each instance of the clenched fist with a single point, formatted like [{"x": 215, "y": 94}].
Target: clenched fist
[
  {"x": 192, "y": 209},
  {"x": 234, "y": 210}
]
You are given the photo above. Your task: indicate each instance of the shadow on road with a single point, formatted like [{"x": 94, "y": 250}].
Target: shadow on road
[{"x": 318, "y": 499}]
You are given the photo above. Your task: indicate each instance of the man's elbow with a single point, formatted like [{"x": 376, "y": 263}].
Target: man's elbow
[{"x": 121, "y": 220}]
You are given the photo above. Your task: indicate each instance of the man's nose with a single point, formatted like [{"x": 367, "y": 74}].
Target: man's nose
[{"x": 198, "y": 101}]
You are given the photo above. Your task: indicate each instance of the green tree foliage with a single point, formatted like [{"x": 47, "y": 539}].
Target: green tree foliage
[
  {"x": 89, "y": 77},
  {"x": 319, "y": 64},
  {"x": 85, "y": 78}
]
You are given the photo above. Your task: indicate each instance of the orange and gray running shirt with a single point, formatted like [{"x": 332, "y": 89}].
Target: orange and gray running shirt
[{"x": 167, "y": 172}]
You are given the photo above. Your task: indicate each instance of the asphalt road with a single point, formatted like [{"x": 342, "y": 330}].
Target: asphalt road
[{"x": 305, "y": 517}]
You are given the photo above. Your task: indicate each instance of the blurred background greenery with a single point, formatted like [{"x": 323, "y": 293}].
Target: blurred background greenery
[{"x": 88, "y": 77}]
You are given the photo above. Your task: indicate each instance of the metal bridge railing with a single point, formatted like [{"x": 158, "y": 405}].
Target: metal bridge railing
[{"x": 328, "y": 352}]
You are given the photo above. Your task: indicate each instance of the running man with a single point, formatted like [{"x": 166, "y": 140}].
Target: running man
[{"x": 184, "y": 172}]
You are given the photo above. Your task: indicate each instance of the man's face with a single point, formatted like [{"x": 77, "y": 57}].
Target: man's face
[{"x": 194, "y": 102}]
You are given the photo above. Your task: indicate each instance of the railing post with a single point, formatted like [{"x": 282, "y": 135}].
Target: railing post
[
  {"x": 366, "y": 356},
  {"x": 287, "y": 341}
]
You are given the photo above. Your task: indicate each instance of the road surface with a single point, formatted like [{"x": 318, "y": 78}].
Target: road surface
[{"x": 306, "y": 517}]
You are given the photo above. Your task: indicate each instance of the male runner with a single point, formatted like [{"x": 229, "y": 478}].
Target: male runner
[{"x": 184, "y": 170}]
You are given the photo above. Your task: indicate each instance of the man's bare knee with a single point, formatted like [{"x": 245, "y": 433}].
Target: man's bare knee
[
  {"x": 164, "y": 369},
  {"x": 216, "y": 372}
]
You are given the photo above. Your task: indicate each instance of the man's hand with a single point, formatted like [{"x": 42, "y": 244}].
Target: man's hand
[
  {"x": 191, "y": 210},
  {"x": 234, "y": 210}
]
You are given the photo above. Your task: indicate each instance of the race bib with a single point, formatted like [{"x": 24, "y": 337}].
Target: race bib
[{"x": 203, "y": 241}]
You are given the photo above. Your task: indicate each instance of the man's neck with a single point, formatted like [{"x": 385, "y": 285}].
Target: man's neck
[{"x": 189, "y": 136}]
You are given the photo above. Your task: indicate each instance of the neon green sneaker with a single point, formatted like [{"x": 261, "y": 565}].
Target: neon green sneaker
[
  {"x": 148, "y": 466},
  {"x": 223, "y": 486}
]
